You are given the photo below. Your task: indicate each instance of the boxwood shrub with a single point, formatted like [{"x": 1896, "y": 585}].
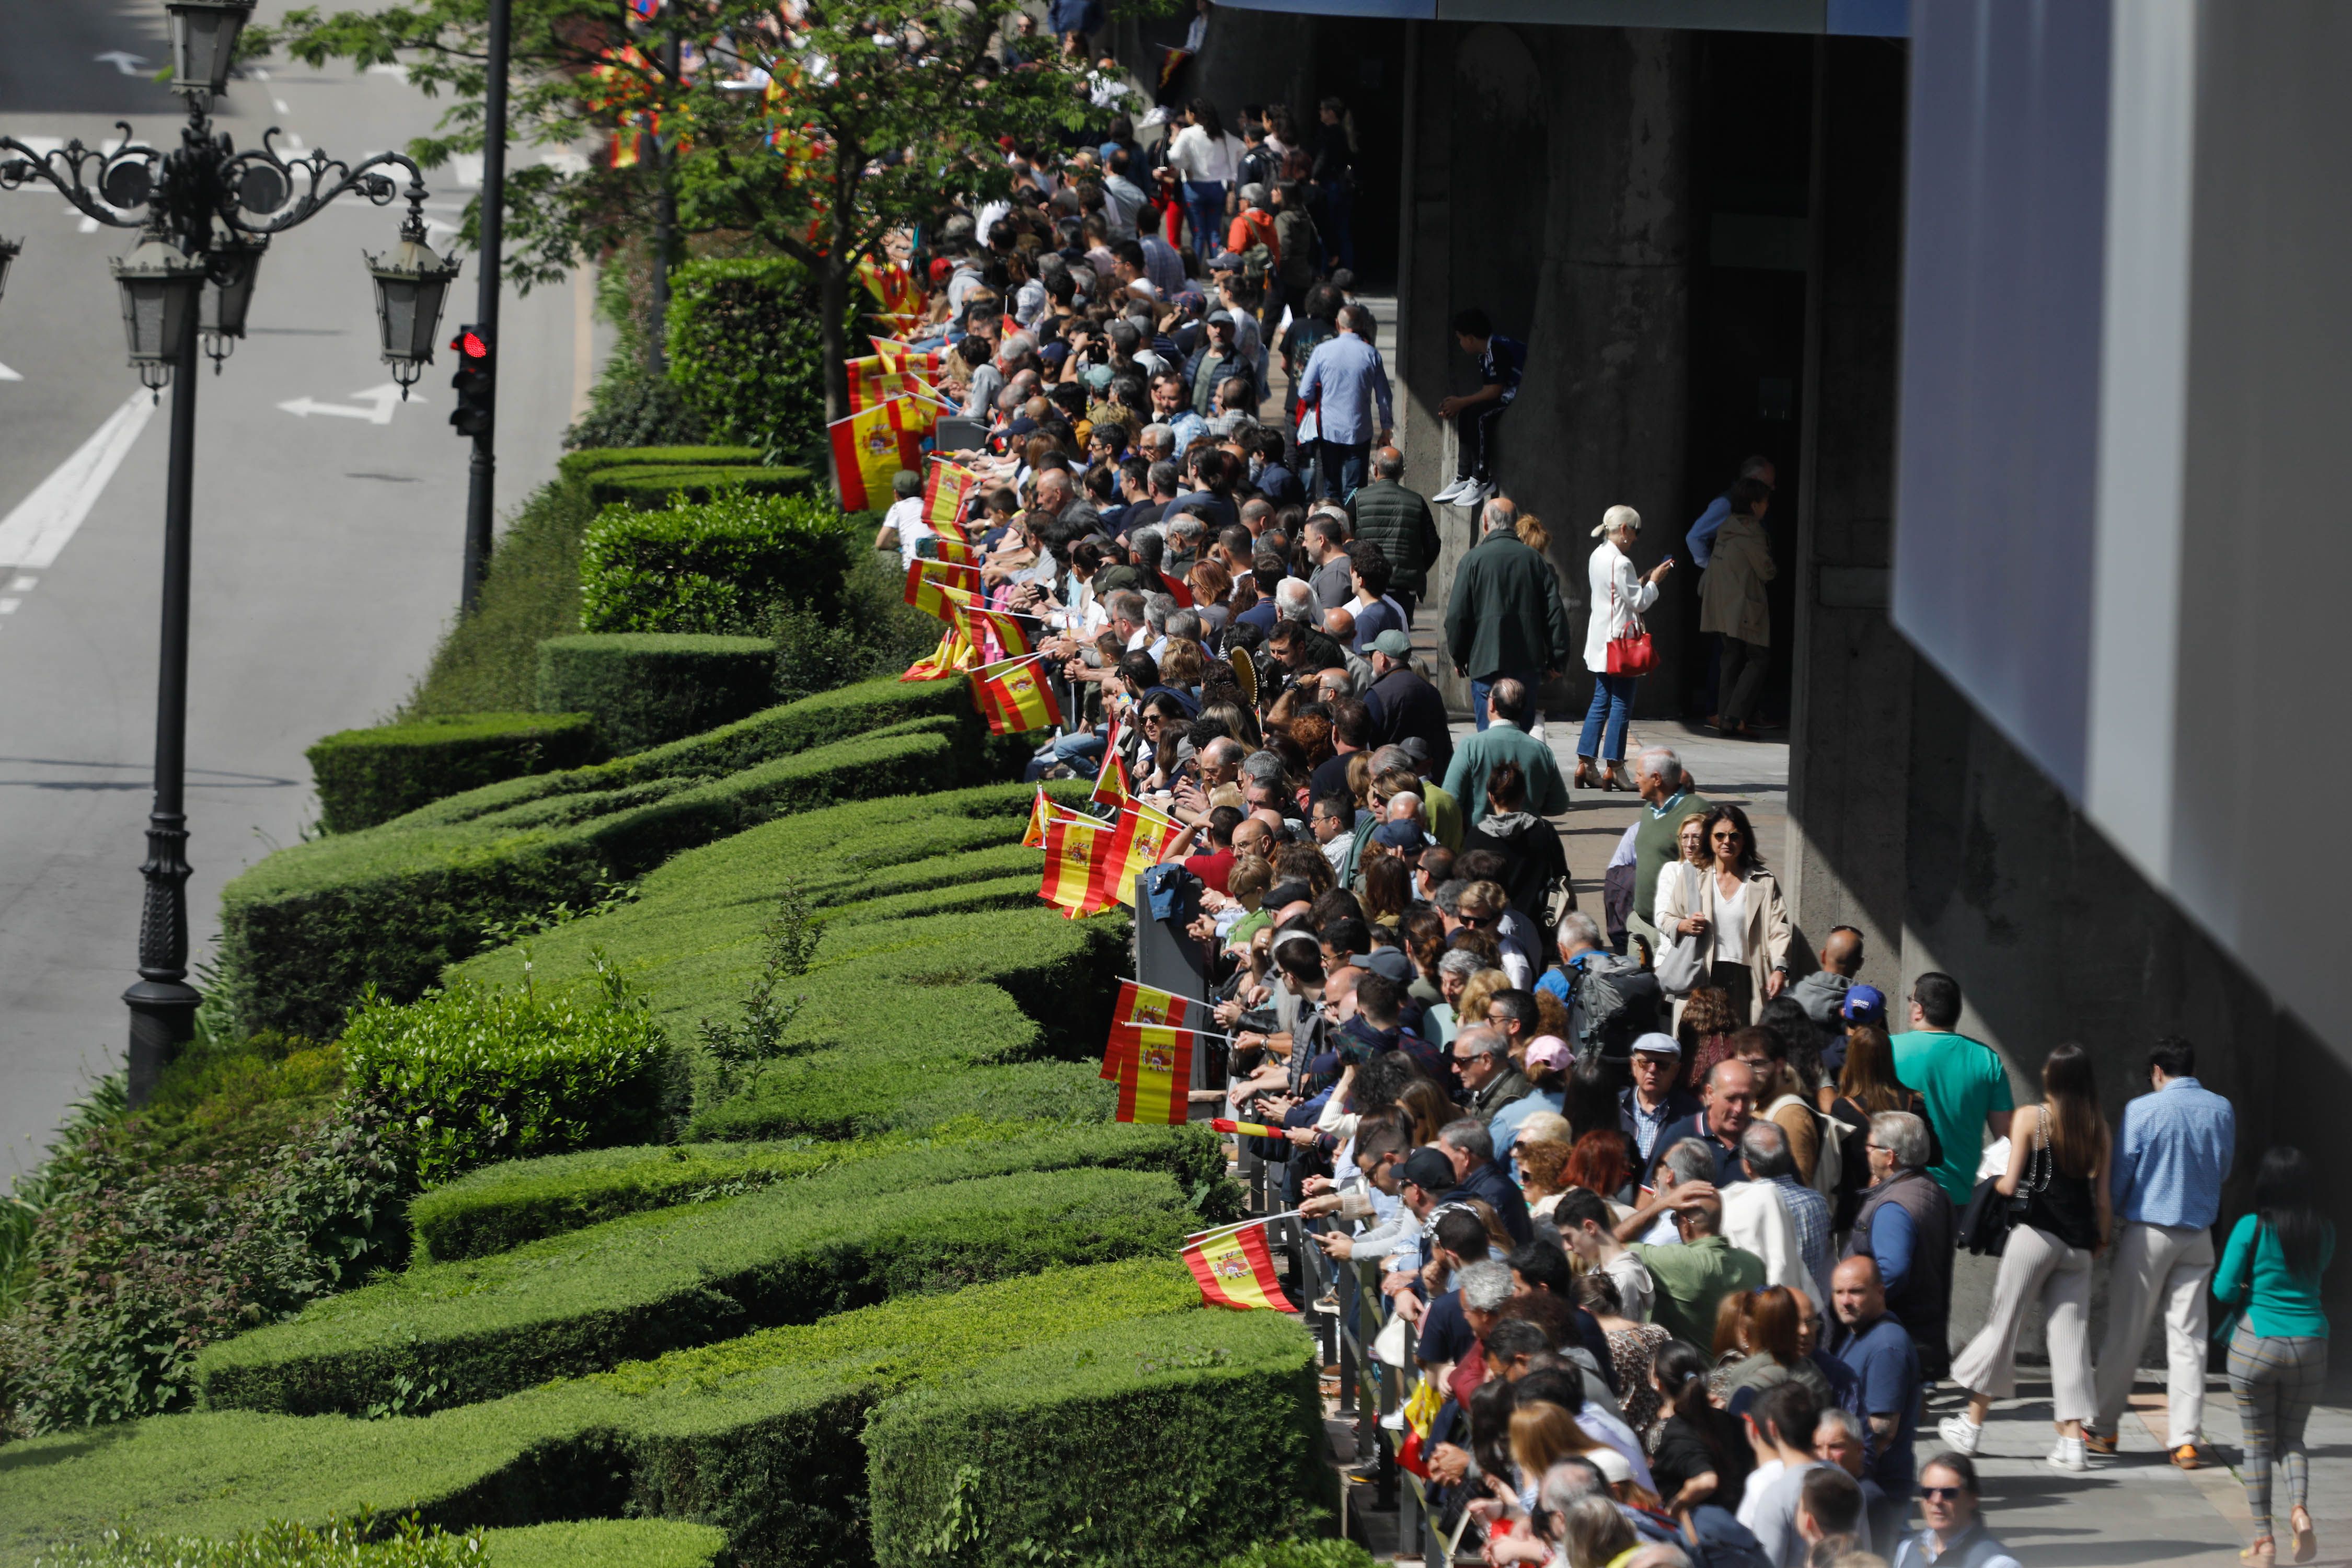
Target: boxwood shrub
[
  {"x": 658, "y": 489},
  {"x": 595, "y": 459},
  {"x": 478, "y": 1075},
  {"x": 519, "y": 1201},
  {"x": 661, "y": 1280},
  {"x": 761, "y": 1435},
  {"x": 367, "y": 776},
  {"x": 1152, "y": 1443},
  {"x": 720, "y": 567},
  {"x": 643, "y": 689},
  {"x": 307, "y": 929}
]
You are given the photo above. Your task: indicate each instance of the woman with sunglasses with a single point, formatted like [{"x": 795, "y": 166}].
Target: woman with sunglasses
[{"x": 1736, "y": 910}]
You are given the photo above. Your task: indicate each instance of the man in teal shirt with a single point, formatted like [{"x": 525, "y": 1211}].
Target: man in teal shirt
[{"x": 1964, "y": 1081}]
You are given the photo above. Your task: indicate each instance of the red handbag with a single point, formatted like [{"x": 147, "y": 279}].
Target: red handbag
[{"x": 1632, "y": 654}]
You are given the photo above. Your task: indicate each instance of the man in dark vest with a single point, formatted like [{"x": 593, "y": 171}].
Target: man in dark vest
[
  {"x": 1666, "y": 792},
  {"x": 1906, "y": 1225},
  {"x": 1398, "y": 521}
]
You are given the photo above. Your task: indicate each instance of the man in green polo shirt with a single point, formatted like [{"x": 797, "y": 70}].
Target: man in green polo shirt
[
  {"x": 1666, "y": 790},
  {"x": 1964, "y": 1081},
  {"x": 1694, "y": 1276}
]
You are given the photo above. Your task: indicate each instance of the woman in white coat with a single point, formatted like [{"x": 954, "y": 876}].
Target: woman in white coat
[
  {"x": 1203, "y": 157},
  {"x": 1735, "y": 911},
  {"x": 1620, "y": 595}
]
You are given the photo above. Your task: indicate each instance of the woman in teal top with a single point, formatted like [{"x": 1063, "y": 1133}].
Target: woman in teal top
[{"x": 2268, "y": 1277}]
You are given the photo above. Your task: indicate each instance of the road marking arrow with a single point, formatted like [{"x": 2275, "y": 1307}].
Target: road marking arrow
[
  {"x": 32, "y": 535},
  {"x": 128, "y": 64},
  {"x": 381, "y": 400},
  {"x": 7, "y": 375}
]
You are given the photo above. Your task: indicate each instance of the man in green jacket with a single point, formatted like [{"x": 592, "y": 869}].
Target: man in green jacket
[
  {"x": 1398, "y": 521},
  {"x": 1505, "y": 617}
]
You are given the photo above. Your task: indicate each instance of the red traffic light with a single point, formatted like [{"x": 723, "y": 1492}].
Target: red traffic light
[{"x": 469, "y": 343}]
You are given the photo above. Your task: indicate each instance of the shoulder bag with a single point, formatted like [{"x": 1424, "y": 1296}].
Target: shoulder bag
[
  {"x": 1682, "y": 965},
  {"x": 1632, "y": 654}
]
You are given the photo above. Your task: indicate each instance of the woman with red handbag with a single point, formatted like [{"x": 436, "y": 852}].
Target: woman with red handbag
[
  {"x": 1731, "y": 600},
  {"x": 1616, "y": 648}
]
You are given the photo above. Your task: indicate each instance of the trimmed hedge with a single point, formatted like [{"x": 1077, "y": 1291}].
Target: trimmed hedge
[
  {"x": 596, "y": 459},
  {"x": 643, "y": 689},
  {"x": 659, "y": 1281},
  {"x": 719, "y": 568},
  {"x": 746, "y": 348},
  {"x": 584, "y": 1543},
  {"x": 761, "y": 1436},
  {"x": 657, "y": 488},
  {"x": 477, "y": 1075},
  {"x": 510, "y": 1204},
  {"x": 606, "y": 1543},
  {"x": 305, "y": 929},
  {"x": 1130, "y": 1445},
  {"x": 367, "y": 776}
]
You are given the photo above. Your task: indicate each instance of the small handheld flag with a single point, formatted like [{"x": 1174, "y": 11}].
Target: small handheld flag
[
  {"x": 1013, "y": 698},
  {"x": 1176, "y": 590},
  {"x": 1234, "y": 1268},
  {"x": 1155, "y": 1077},
  {"x": 1138, "y": 1005},
  {"x": 1072, "y": 845},
  {"x": 1110, "y": 783},
  {"x": 930, "y": 584},
  {"x": 1245, "y": 1129}
]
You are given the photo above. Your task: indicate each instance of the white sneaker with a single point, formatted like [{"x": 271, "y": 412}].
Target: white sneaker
[
  {"x": 2069, "y": 1455},
  {"x": 1962, "y": 1434},
  {"x": 1479, "y": 494},
  {"x": 1450, "y": 494},
  {"x": 1537, "y": 732}
]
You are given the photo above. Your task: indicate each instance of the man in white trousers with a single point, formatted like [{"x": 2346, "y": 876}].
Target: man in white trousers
[{"x": 2172, "y": 1154}]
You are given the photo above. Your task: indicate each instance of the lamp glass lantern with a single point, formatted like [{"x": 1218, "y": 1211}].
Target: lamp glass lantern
[
  {"x": 9, "y": 250},
  {"x": 411, "y": 284},
  {"x": 204, "y": 41},
  {"x": 159, "y": 285},
  {"x": 220, "y": 315}
]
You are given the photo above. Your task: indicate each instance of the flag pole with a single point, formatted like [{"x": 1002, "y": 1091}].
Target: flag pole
[{"x": 1240, "y": 1224}]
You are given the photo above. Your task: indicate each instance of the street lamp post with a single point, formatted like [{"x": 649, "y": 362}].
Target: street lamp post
[{"x": 206, "y": 212}]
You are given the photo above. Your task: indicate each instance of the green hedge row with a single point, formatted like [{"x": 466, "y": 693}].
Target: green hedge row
[
  {"x": 506, "y": 1205},
  {"x": 604, "y": 1543},
  {"x": 303, "y": 931},
  {"x": 359, "y": 1543},
  {"x": 1151, "y": 1443},
  {"x": 658, "y": 487},
  {"x": 720, "y": 568},
  {"x": 671, "y": 1277},
  {"x": 643, "y": 689},
  {"x": 580, "y": 465},
  {"x": 367, "y": 776},
  {"x": 761, "y": 1435},
  {"x": 746, "y": 348}
]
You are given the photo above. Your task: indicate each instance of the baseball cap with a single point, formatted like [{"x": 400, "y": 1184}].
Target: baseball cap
[
  {"x": 1614, "y": 1468},
  {"x": 1864, "y": 1005},
  {"x": 1224, "y": 261},
  {"x": 1429, "y": 1170},
  {"x": 1389, "y": 962},
  {"x": 1657, "y": 1045},
  {"x": 1549, "y": 1051},
  {"x": 1393, "y": 643},
  {"x": 1399, "y": 835},
  {"x": 1413, "y": 746},
  {"x": 1225, "y": 315}
]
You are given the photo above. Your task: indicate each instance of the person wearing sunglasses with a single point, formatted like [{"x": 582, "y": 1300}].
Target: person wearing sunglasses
[
  {"x": 1735, "y": 912},
  {"x": 1955, "y": 1536}
]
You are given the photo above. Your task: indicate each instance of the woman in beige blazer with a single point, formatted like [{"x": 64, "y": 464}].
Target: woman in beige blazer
[{"x": 1736, "y": 910}]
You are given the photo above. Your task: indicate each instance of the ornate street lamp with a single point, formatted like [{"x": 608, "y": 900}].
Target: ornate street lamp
[
  {"x": 204, "y": 41},
  {"x": 410, "y": 285},
  {"x": 207, "y": 212},
  {"x": 9, "y": 250}
]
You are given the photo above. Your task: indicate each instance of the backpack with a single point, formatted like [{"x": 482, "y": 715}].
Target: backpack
[
  {"x": 1621, "y": 1001},
  {"x": 1828, "y": 1164}
]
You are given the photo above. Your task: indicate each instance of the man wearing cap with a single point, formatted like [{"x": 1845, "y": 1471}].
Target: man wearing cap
[
  {"x": 1216, "y": 359},
  {"x": 1655, "y": 1100},
  {"x": 1426, "y": 1183},
  {"x": 1403, "y": 705}
]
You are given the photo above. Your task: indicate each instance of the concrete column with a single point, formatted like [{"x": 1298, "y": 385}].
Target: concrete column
[
  {"x": 1851, "y": 717},
  {"x": 1602, "y": 415}
]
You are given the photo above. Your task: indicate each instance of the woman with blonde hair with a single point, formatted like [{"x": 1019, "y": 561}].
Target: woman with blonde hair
[
  {"x": 2058, "y": 1156},
  {"x": 1618, "y": 596}
]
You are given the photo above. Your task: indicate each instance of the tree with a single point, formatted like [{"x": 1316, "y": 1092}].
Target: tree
[{"x": 809, "y": 130}]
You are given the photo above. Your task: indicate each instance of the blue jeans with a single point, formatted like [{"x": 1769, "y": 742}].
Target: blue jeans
[
  {"x": 1340, "y": 470},
  {"x": 1613, "y": 699},
  {"x": 1204, "y": 209},
  {"x": 1530, "y": 678},
  {"x": 1081, "y": 751}
]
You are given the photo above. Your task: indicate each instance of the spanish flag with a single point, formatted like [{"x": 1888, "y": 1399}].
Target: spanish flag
[
  {"x": 1234, "y": 1268},
  {"x": 997, "y": 633},
  {"x": 954, "y": 552},
  {"x": 1034, "y": 835},
  {"x": 1142, "y": 834},
  {"x": 1176, "y": 589},
  {"x": 1074, "y": 849},
  {"x": 1246, "y": 1128},
  {"x": 1140, "y": 1007},
  {"x": 952, "y": 657},
  {"x": 892, "y": 286},
  {"x": 1110, "y": 783},
  {"x": 868, "y": 448},
  {"x": 900, "y": 354},
  {"x": 947, "y": 496},
  {"x": 1155, "y": 1077},
  {"x": 1012, "y": 696},
  {"x": 937, "y": 587}
]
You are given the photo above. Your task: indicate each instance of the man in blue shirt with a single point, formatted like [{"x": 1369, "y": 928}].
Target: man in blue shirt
[
  {"x": 1345, "y": 384},
  {"x": 1875, "y": 1345},
  {"x": 2172, "y": 1153},
  {"x": 1501, "y": 362}
]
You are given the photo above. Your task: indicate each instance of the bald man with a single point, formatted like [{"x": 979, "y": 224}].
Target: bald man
[
  {"x": 1823, "y": 992},
  {"x": 1397, "y": 519},
  {"x": 1876, "y": 1347}
]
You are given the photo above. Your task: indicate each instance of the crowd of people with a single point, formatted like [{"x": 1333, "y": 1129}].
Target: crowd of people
[{"x": 1666, "y": 1212}]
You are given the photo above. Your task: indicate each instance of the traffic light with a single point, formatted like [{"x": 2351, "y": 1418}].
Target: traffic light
[{"x": 476, "y": 381}]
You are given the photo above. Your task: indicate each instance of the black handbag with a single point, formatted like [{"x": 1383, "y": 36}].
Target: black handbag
[{"x": 1985, "y": 1223}]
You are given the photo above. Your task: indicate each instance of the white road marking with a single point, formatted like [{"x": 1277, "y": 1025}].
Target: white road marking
[
  {"x": 281, "y": 105},
  {"x": 43, "y": 521},
  {"x": 388, "y": 70},
  {"x": 7, "y": 375},
  {"x": 9, "y": 607},
  {"x": 24, "y": 584},
  {"x": 384, "y": 398},
  {"x": 88, "y": 225},
  {"x": 122, "y": 61}
]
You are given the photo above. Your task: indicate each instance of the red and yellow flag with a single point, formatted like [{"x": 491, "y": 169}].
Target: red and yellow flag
[
  {"x": 1235, "y": 1270},
  {"x": 1176, "y": 589},
  {"x": 1074, "y": 845},
  {"x": 1110, "y": 783},
  {"x": 1140, "y": 1007},
  {"x": 868, "y": 448},
  {"x": 1142, "y": 834},
  {"x": 892, "y": 286},
  {"x": 1034, "y": 835},
  {"x": 1245, "y": 1129},
  {"x": 954, "y": 552},
  {"x": 1012, "y": 696},
  {"x": 902, "y": 355},
  {"x": 947, "y": 496},
  {"x": 1155, "y": 1077},
  {"x": 997, "y": 633},
  {"x": 941, "y": 587},
  {"x": 952, "y": 657}
]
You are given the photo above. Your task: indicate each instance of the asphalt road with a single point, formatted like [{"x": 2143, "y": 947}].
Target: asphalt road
[{"x": 326, "y": 542}]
